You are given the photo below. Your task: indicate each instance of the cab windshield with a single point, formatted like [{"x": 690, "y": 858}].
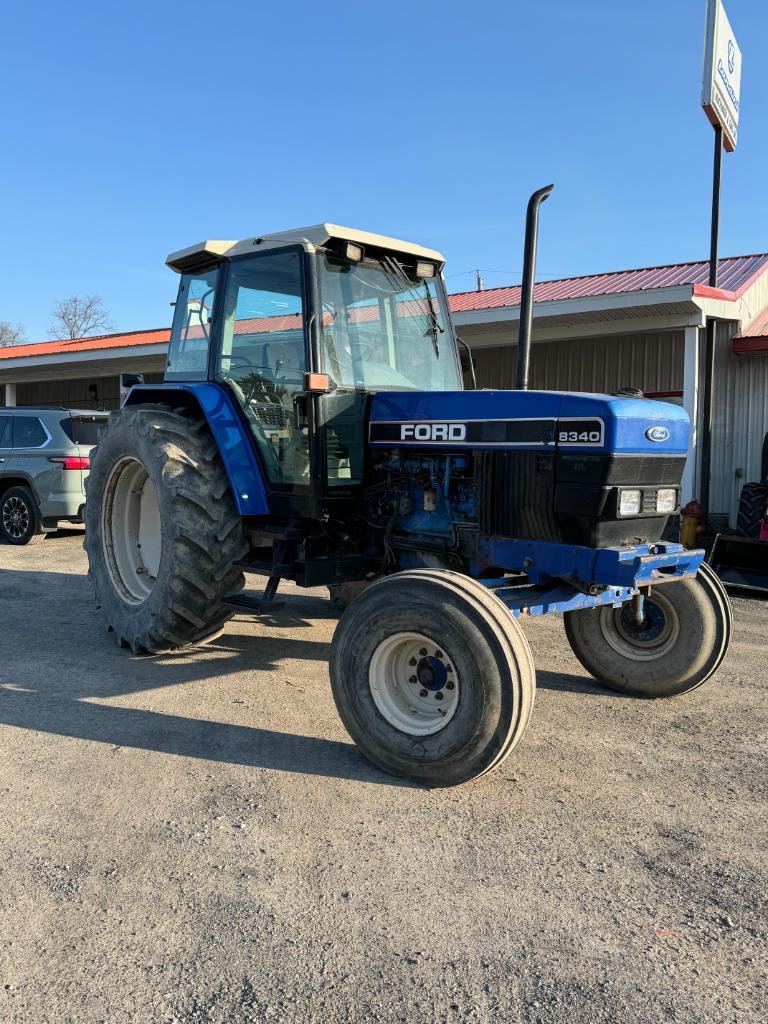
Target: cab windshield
[{"x": 383, "y": 328}]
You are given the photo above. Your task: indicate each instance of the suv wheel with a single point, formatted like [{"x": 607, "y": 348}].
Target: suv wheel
[{"x": 19, "y": 517}]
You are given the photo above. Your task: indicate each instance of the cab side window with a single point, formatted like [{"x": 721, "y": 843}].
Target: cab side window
[{"x": 191, "y": 331}]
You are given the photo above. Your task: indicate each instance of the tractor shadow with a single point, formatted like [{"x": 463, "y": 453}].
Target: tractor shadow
[
  {"x": 57, "y": 663},
  {"x": 564, "y": 682}
]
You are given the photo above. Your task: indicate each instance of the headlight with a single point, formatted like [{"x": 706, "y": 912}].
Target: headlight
[
  {"x": 666, "y": 500},
  {"x": 630, "y": 502}
]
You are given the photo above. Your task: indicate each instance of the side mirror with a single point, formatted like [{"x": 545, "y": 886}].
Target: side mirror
[{"x": 128, "y": 380}]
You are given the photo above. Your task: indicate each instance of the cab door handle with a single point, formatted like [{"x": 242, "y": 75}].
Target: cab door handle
[{"x": 300, "y": 410}]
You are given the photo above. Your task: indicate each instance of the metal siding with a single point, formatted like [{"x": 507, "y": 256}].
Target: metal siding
[
  {"x": 652, "y": 362},
  {"x": 740, "y": 421},
  {"x": 73, "y": 393}
]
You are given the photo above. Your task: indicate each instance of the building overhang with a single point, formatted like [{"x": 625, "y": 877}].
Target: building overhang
[
  {"x": 657, "y": 309},
  {"x": 88, "y": 363}
]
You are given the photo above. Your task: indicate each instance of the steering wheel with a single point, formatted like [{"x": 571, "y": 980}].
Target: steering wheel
[{"x": 252, "y": 386}]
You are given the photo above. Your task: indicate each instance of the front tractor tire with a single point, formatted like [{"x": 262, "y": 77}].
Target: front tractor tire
[
  {"x": 432, "y": 676},
  {"x": 681, "y": 642},
  {"x": 162, "y": 533}
]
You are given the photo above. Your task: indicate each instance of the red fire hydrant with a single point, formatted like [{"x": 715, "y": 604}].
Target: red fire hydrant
[{"x": 691, "y": 526}]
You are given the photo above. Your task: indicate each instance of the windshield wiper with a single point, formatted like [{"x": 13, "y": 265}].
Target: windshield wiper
[{"x": 435, "y": 330}]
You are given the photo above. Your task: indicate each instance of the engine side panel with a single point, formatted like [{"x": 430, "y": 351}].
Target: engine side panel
[{"x": 532, "y": 420}]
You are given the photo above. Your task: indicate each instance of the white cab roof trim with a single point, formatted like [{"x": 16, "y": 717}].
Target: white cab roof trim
[{"x": 311, "y": 238}]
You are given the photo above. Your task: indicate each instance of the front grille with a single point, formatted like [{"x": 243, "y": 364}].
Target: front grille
[{"x": 515, "y": 494}]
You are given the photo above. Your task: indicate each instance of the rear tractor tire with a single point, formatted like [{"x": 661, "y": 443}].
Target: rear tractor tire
[
  {"x": 681, "y": 642},
  {"x": 162, "y": 532},
  {"x": 432, "y": 676},
  {"x": 752, "y": 510}
]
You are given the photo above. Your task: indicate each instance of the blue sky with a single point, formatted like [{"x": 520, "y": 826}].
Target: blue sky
[{"x": 130, "y": 130}]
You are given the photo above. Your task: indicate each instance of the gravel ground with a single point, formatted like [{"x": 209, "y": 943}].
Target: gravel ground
[{"x": 194, "y": 839}]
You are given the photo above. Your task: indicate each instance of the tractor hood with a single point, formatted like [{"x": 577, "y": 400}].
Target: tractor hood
[{"x": 527, "y": 420}]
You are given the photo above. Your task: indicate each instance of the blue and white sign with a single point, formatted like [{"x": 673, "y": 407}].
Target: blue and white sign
[{"x": 721, "y": 80}]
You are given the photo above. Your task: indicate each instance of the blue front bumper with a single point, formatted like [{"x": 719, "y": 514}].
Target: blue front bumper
[{"x": 563, "y": 578}]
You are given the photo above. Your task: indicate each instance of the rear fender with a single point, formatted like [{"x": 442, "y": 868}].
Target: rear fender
[{"x": 230, "y": 433}]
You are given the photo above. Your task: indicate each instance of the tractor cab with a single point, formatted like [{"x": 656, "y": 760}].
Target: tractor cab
[{"x": 301, "y": 327}]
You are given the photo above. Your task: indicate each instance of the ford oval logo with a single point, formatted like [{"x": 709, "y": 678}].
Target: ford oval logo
[{"x": 657, "y": 434}]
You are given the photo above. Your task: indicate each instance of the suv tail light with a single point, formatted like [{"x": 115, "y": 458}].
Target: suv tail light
[{"x": 71, "y": 461}]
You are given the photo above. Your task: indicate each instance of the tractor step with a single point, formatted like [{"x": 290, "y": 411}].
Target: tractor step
[
  {"x": 247, "y": 601},
  {"x": 264, "y": 568},
  {"x": 276, "y": 533}
]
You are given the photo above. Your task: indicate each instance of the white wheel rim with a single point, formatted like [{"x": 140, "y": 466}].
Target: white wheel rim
[
  {"x": 414, "y": 684},
  {"x": 130, "y": 530},
  {"x": 640, "y": 644}
]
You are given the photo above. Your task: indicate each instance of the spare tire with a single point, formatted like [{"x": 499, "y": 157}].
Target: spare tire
[{"x": 752, "y": 510}]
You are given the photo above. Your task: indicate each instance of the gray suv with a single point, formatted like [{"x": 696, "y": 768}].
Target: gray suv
[{"x": 44, "y": 460}]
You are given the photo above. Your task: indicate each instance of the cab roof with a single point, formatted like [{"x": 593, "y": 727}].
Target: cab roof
[{"x": 196, "y": 257}]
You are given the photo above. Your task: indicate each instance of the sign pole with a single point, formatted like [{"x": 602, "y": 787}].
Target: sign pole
[
  {"x": 707, "y": 417},
  {"x": 721, "y": 101},
  {"x": 713, "y": 238}
]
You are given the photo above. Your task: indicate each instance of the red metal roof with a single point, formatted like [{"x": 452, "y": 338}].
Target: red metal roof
[
  {"x": 754, "y": 338},
  {"x": 51, "y": 348},
  {"x": 735, "y": 274},
  {"x": 758, "y": 328}
]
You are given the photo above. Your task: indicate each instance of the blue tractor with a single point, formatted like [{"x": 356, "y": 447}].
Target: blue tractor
[{"x": 313, "y": 426}]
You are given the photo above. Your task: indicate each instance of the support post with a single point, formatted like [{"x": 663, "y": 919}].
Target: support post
[
  {"x": 10, "y": 395},
  {"x": 691, "y": 406}
]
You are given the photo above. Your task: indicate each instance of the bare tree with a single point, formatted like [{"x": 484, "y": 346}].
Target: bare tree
[
  {"x": 10, "y": 335},
  {"x": 77, "y": 318}
]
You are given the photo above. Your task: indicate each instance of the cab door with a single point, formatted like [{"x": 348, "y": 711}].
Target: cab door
[{"x": 262, "y": 358}]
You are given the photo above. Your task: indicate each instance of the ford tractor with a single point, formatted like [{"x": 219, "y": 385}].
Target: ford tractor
[{"x": 313, "y": 427}]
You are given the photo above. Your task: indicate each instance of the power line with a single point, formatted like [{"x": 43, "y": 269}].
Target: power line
[{"x": 506, "y": 273}]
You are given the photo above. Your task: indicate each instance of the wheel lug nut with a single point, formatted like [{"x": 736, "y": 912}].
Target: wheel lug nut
[
  {"x": 423, "y": 652},
  {"x": 449, "y": 685},
  {"x": 438, "y": 696},
  {"x": 412, "y": 679},
  {"x": 422, "y": 693},
  {"x": 412, "y": 661},
  {"x": 449, "y": 668},
  {"x": 438, "y": 654}
]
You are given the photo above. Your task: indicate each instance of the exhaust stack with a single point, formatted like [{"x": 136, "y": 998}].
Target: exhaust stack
[{"x": 529, "y": 279}]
